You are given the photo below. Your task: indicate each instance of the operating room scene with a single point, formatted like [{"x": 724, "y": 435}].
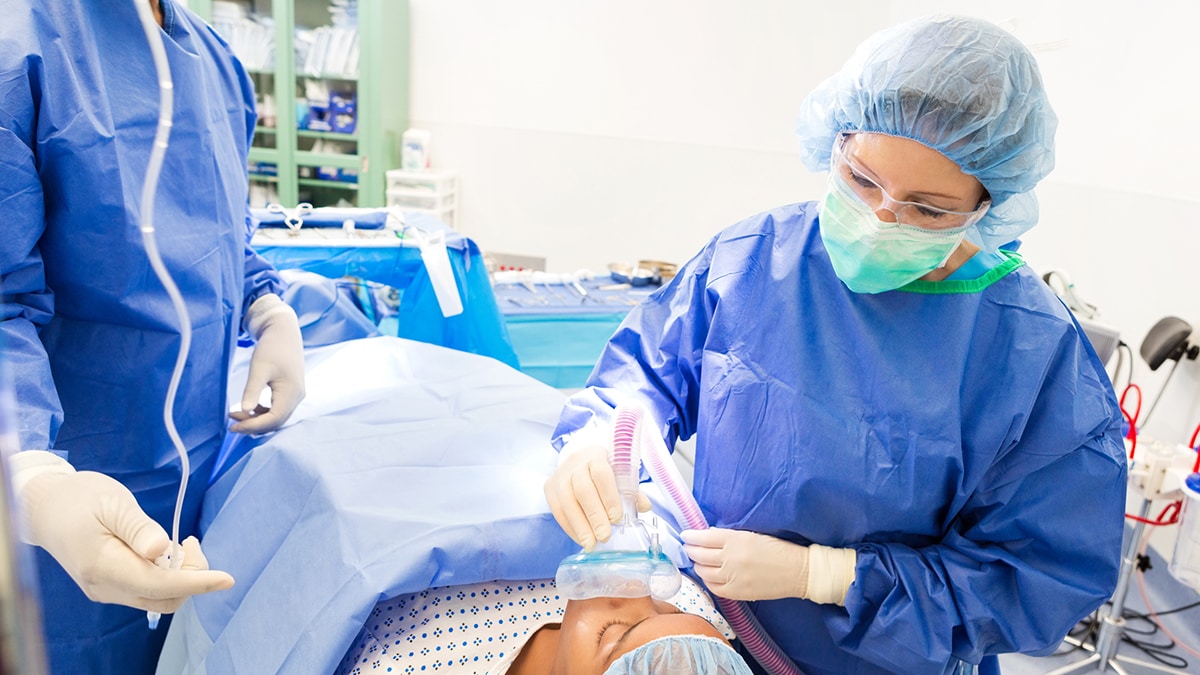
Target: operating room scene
[{"x": 558, "y": 338}]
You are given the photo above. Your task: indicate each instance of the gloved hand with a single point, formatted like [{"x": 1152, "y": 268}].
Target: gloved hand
[
  {"x": 582, "y": 493},
  {"x": 94, "y": 528},
  {"x": 742, "y": 565},
  {"x": 277, "y": 362}
]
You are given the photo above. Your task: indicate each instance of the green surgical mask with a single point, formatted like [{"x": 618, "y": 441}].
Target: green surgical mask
[{"x": 871, "y": 256}]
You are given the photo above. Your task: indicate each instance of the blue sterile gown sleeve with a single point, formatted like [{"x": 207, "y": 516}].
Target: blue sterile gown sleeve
[
  {"x": 91, "y": 331},
  {"x": 961, "y": 436}
]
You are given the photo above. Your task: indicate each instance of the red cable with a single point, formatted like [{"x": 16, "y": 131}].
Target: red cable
[
  {"x": 1132, "y": 419},
  {"x": 1173, "y": 506},
  {"x": 1138, "y": 411},
  {"x": 1192, "y": 445},
  {"x": 1132, "y": 435}
]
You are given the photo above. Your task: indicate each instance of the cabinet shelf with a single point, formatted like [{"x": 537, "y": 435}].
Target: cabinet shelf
[
  {"x": 325, "y": 76},
  {"x": 331, "y": 184},
  {"x": 304, "y": 158},
  {"x": 327, "y": 135},
  {"x": 381, "y": 100},
  {"x": 269, "y": 155}
]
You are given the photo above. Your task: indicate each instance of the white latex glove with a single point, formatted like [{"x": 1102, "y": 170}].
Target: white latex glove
[
  {"x": 582, "y": 493},
  {"x": 277, "y": 362},
  {"x": 94, "y": 528},
  {"x": 742, "y": 565}
]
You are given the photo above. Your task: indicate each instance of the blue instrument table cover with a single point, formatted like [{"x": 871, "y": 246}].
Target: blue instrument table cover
[
  {"x": 557, "y": 334},
  {"x": 395, "y": 261}
]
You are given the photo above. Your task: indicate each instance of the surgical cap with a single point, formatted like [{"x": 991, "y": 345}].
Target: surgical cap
[
  {"x": 959, "y": 85},
  {"x": 681, "y": 654}
]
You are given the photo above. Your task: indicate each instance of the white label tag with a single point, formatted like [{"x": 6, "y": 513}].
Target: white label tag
[{"x": 441, "y": 275}]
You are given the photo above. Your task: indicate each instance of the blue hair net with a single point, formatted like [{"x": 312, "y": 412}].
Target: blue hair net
[
  {"x": 959, "y": 85},
  {"x": 681, "y": 654}
]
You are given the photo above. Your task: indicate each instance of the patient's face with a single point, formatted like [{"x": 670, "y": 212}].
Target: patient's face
[{"x": 597, "y": 632}]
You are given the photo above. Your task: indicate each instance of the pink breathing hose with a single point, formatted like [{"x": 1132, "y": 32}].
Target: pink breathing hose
[{"x": 639, "y": 439}]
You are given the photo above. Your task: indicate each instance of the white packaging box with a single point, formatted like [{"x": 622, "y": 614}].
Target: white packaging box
[{"x": 434, "y": 192}]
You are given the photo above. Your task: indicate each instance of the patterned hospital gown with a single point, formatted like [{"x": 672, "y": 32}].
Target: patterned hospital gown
[{"x": 476, "y": 629}]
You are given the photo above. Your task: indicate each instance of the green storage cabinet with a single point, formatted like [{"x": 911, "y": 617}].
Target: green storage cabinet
[{"x": 380, "y": 88}]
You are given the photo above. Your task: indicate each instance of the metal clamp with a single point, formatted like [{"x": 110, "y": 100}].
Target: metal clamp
[{"x": 294, "y": 219}]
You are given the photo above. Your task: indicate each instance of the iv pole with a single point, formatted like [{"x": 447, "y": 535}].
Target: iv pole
[{"x": 1166, "y": 340}]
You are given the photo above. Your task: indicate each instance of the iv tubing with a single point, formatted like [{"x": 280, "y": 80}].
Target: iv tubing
[
  {"x": 1150, "y": 608},
  {"x": 658, "y": 463},
  {"x": 166, "y": 93}
]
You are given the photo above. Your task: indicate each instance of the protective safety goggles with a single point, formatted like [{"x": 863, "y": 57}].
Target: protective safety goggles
[{"x": 912, "y": 214}]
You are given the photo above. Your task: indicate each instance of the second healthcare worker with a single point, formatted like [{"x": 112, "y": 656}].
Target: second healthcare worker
[{"x": 88, "y": 330}]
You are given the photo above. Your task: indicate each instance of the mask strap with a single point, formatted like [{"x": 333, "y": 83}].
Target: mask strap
[{"x": 958, "y": 242}]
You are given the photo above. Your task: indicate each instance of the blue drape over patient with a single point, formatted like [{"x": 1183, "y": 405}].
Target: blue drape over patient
[
  {"x": 965, "y": 442},
  {"x": 407, "y": 466}
]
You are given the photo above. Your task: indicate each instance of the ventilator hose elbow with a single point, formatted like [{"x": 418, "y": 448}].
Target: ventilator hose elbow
[{"x": 657, "y": 460}]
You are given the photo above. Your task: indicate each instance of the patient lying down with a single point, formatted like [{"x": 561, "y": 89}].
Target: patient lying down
[{"x": 524, "y": 627}]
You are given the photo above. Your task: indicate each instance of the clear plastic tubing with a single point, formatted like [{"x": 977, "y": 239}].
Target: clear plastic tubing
[
  {"x": 658, "y": 463},
  {"x": 166, "y": 98}
]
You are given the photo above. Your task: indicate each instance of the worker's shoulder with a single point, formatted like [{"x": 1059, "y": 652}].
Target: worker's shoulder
[
  {"x": 1023, "y": 290},
  {"x": 753, "y": 246},
  {"x": 786, "y": 219},
  {"x": 784, "y": 230},
  {"x": 1025, "y": 310}
]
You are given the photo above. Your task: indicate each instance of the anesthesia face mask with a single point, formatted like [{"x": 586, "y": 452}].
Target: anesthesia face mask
[{"x": 631, "y": 563}]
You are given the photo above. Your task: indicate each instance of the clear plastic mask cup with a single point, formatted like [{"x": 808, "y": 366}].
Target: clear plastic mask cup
[
  {"x": 630, "y": 564},
  {"x": 617, "y": 574}
]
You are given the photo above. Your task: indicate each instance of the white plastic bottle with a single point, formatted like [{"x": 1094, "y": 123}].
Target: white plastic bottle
[
  {"x": 1185, "y": 563},
  {"x": 414, "y": 156}
]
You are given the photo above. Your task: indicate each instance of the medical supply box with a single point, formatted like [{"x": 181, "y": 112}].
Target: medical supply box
[{"x": 434, "y": 192}]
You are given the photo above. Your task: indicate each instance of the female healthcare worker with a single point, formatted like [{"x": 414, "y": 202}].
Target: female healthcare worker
[
  {"x": 909, "y": 452},
  {"x": 90, "y": 332}
]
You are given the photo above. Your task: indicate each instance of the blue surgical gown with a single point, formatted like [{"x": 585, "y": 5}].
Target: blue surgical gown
[
  {"x": 91, "y": 333},
  {"x": 961, "y": 436}
]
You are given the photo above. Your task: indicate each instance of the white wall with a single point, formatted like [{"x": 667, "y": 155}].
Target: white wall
[{"x": 592, "y": 131}]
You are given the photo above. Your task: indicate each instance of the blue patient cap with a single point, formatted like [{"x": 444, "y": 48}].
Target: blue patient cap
[
  {"x": 683, "y": 654},
  {"x": 960, "y": 85}
]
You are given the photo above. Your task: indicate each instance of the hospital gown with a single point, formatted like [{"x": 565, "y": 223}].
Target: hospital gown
[
  {"x": 89, "y": 329},
  {"x": 477, "y": 629},
  {"x": 961, "y": 436}
]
